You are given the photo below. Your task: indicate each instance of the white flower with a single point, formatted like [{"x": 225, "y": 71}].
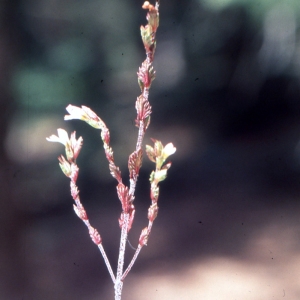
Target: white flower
[
  {"x": 75, "y": 112},
  {"x": 62, "y": 137},
  {"x": 85, "y": 114},
  {"x": 168, "y": 150},
  {"x": 72, "y": 146}
]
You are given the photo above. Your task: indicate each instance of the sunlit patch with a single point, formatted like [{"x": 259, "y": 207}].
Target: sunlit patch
[
  {"x": 268, "y": 269},
  {"x": 26, "y": 139}
]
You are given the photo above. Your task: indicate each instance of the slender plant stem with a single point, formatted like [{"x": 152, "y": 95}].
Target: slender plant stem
[
  {"x": 140, "y": 136},
  {"x": 118, "y": 282},
  {"x": 107, "y": 263},
  {"x": 137, "y": 251},
  {"x": 100, "y": 246},
  {"x": 124, "y": 230}
]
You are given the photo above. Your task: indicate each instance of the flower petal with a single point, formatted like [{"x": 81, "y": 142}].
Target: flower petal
[
  {"x": 53, "y": 138},
  {"x": 75, "y": 113},
  {"x": 169, "y": 149},
  {"x": 61, "y": 138}
]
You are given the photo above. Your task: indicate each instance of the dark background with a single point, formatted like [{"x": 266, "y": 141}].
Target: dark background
[{"x": 226, "y": 94}]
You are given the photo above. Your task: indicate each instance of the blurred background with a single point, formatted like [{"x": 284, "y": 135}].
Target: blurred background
[{"x": 226, "y": 94}]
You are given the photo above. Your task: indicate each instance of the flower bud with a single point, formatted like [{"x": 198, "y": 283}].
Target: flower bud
[
  {"x": 69, "y": 152},
  {"x": 152, "y": 16},
  {"x": 105, "y": 135},
  {"x": 95, "y": 236},
  {"x": 80, "y": 212},
  {"x": 150, "y": 153},
  {"x": 74, "y": 190},
  {"x": 158, "y": 147},
  {"x": 74, "y": 172},
  {"x": 146, "y": 75},
  {"x": 160, "y": 175},
  {"x": 154, "y": 192},
  {"x": 143, "y": 109},
  {"x": 135, "y": 163},
  {"x": 144, "y": 237},
  {"x": 147, "y": 38},
  {"x": 65, "y": 166},
  {"x": 152, "y": 212},
  {"x": 124, "y": 196},
  {"x": 76, "y": 145}
]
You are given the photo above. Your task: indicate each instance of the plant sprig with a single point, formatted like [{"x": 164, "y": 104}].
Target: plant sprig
[{"x": 157, "y": 154}]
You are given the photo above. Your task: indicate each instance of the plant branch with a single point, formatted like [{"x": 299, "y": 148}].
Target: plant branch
[
  {"x": 81, "y": 213},
  {"x": 157, "y": 154},
  {"x": 137, "y": 251}
]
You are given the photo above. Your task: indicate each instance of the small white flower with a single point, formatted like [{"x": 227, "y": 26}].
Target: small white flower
[
  {"x": 62, "y": 137},
  {"x": 168, "y": 150},
  {"x": 75, "y": 112},
  {"x": 85, "y": 114}
]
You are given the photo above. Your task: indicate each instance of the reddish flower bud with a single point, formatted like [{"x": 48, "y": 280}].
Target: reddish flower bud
[
  {"x": 74, "y": 190},
  {"x": 152, "y": 212},
  {"x": 143, "y": 109},
  {"x": 75, "y": 144},
  {"x": 80, "y": 212},
  {"x": 74, "y": 173},
  {"x": 109, "y": 153},
  {"x": 146, "y": 75},
  {"x": 135, "y": 163},
  {"x": 65, "y": 166},
  {"x": 95, "y": 236},
  {"x": 152, "y": 16},
  {"x": 115, "y": 172},
  {"x": 154, "y": 192},
  {"x": 125, "y": 198},
  {"x": 144, "y": 237},
  {"x": 105, "y": 135},
  {"x": 147, "y": 5}
]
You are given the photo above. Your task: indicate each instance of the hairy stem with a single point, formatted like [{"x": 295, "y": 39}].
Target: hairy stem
[
  {"x": 119, "y": 282},
  {"x": 107, "y": 263},
  {"x": 137, "y": 251}
]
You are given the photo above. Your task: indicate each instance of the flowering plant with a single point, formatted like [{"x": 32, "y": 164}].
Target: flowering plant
[{"x": 157, "y": 154}]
